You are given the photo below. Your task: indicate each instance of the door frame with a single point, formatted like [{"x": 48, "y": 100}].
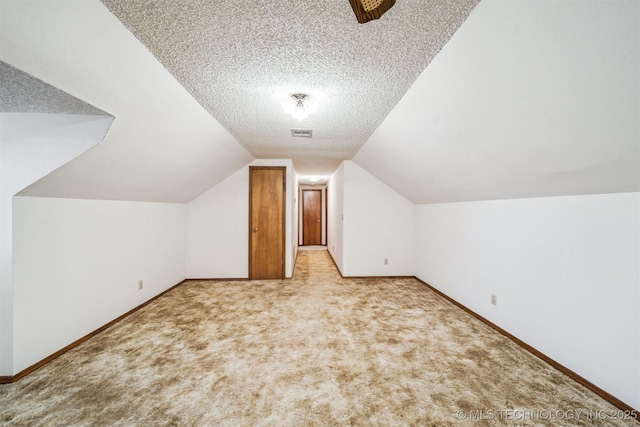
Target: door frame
[
  {"x": 284, "y": 216},
  {"x": 320, "y": 211},
  {"x": 324, "y": 213}
]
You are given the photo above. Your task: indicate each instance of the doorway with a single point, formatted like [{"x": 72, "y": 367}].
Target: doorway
[
  {"x": 266, "y": 222},
  {"x": 311, "y": 217}
]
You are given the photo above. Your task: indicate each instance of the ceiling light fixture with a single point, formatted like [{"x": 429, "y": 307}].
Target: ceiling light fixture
[
  {"x": 300, "y": 106},
  {"x": 314, "y": 179},
  {"x": 366, "y": 10}
]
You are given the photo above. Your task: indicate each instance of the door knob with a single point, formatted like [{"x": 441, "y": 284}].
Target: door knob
[
  {"x": 318, "y": 220},
  {"x": 255, "y": 229}
]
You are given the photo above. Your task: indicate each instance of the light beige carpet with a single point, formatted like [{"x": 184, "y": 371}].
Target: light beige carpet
[{"x": 315, "y": 350}]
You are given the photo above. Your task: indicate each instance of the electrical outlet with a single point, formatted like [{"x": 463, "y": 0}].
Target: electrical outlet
[
  {"x": 140, "y": 284},
  {"x": 494, "y": 299},
  {"x": 386, "y": 261}
]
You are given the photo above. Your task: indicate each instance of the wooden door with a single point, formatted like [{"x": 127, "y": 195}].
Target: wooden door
[
  {"x": 266, "y": 222},
  {"x": 311, "y": 217}
]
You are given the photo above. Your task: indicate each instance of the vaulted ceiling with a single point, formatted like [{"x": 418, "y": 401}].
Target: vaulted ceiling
[
  {"x": 442, "y": 100},
  {"x": 240, "y": 60}
]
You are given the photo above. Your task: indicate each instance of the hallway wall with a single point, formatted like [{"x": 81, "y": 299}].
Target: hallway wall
[{"x": 370, "y": 223}]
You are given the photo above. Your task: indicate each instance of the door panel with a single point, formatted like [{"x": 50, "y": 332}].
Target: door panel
[
  {"x": 266, "y": 222},
  {"x": 311, "y": 217}
]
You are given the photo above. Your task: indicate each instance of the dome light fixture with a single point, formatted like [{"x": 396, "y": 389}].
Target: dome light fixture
[{"x": 300, "y": 106}]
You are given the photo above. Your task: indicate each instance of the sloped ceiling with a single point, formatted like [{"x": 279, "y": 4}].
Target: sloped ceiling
[
  {"x": 162, "y": 146},
  {"x": 41, "y": 128},
  {"x": 240, "y": 59},
  {"x": 528, "y": 99}
]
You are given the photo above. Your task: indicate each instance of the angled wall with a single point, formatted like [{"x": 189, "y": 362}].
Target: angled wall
[
  {"x": 527, "y": 99},
  {"x": 163, "y": 147}
]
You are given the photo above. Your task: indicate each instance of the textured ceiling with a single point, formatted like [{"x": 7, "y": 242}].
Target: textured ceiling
[
  {"x": 239, "y": 60},
  {"x": 526, "y": 99},
  {"x": 23, "y": 93}
]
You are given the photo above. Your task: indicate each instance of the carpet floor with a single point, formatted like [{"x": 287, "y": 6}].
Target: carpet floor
[{"x": 315, "y": 350}]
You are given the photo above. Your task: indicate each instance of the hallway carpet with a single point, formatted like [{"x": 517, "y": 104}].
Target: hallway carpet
[{"x": 315, "y": 350}]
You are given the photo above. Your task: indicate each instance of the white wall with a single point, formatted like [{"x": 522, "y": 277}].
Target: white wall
[
  {"x": 77, "y": 264},
  {"x": 368, "y": 223},
  {"x": 217, "y": 230},
  {"x": 335, "y": 205},
  {"x": 31, "y": 146},
  {"x": 218, "y": 226},
  {"x": 379, "y": 223},
  {"x": 295, "y": 217},
  {"x": 565, "y": 271}
]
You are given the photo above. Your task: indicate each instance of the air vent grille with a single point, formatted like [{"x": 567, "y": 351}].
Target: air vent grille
[{"x": 302, "y": 133}]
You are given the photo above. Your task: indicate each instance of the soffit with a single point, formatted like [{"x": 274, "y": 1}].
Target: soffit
[{"x": 23, "y": 93}]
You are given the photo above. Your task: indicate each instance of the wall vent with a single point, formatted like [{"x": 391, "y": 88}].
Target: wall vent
[{"x": 302, "y": 133}]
